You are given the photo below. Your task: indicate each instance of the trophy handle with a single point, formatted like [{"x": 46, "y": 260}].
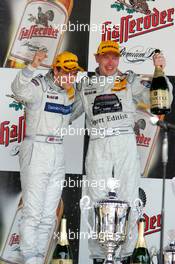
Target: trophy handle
[
  {"x": 138, "y": 205},
  {"x": 85, "y": 207},
  {"x": 137, "y": 209},
  {"x": 154, "y": 255}
]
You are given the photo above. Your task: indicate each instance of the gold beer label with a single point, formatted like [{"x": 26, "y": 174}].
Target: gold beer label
[
  {"x": 159, "y": 98},
  {"x": 61, "y": 261}
]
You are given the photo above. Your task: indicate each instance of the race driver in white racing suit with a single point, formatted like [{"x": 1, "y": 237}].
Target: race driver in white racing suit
[
  {"x": 48, "y": 100},
  {"x": 108, "y": 99}
]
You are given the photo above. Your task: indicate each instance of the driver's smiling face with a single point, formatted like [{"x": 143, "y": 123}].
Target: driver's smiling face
[{"x": 108, "y": 63}]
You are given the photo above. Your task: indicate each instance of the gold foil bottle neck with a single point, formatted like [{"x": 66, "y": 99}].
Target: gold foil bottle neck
[
  {"x": 63, "y": 239},
  {"x": 141, "y": 240}
]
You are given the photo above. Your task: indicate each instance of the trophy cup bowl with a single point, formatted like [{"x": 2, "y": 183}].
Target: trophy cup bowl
[{"x": 111, "y": 218}]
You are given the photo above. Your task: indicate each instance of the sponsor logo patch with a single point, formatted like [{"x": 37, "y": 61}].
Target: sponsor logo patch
[
  {"x": 58, "y": 108},
  {"x": 52, "y": 97},
  {"x": 90, "y": 91},
  {"x": 106, "y": 103}
]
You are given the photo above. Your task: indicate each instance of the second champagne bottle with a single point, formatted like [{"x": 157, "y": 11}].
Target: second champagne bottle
[
  {"x": 62, "y": 253},
  {"x": 140, "y": 254},
  {"x": 159, "y": 92}
]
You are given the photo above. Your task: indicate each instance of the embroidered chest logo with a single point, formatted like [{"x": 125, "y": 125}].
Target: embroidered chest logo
[
  {"x": 52, "y": 97},
  {"x": 106, "y": 103},
  {"x": 90, "y": 91}
]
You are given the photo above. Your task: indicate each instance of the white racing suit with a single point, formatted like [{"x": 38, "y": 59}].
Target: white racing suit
[
  {"x": 42, "y": 167},
  {"x": 112, "y": 151}
]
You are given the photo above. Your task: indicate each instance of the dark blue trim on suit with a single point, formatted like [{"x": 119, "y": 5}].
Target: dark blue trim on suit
[{"x": 58, "y": 108}]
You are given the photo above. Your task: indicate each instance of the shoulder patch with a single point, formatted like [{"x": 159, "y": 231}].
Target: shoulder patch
[{"x": 36, "y": 82}]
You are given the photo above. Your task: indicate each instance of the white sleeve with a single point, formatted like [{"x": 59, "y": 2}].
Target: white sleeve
[
  {"x": 139, "y": 91},
  {"x": 142, "y": 94},
  {"x": 23, "y": 87}
]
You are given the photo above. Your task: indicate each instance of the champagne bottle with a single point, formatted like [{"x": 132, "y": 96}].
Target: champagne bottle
[
  {"x": 140, "y": 254},
  {"x": 159, "y": 92},
  {"x": 62, "y": 253}
]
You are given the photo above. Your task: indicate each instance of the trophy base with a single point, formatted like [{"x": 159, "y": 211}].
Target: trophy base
[
  {"x": 112, "y": 262},
  {"x": 117, "y": 260},
  {"x": 98, "y": 261}
]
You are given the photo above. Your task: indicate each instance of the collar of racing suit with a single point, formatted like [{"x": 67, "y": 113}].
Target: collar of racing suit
[{"x": 129, "y": 75}]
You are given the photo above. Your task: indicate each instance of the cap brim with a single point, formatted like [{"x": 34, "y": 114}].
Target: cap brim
[
  {"x": 117, "y": 53},
  {"x": 78, "y": 68}
]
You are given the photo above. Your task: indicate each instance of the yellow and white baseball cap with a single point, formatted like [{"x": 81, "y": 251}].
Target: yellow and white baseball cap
[
  {"x": 68, "y": 61},
  {"x": 108, "y": 46}
]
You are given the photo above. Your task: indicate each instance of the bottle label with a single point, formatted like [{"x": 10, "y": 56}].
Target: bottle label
[
  {"x": 40, "y": 28},
  {"x": 62, "y": 261},
  {"x": 160, "y": 99}
]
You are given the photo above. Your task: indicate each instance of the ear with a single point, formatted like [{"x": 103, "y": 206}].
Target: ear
[
  {"x": 97, "y": 58},
  {"x": 55, "y": 71}
]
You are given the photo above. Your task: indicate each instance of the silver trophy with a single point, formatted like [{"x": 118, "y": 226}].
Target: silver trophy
[
  {"x": 169, "y": 251},
  {"x": 111, "y": 218}
]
